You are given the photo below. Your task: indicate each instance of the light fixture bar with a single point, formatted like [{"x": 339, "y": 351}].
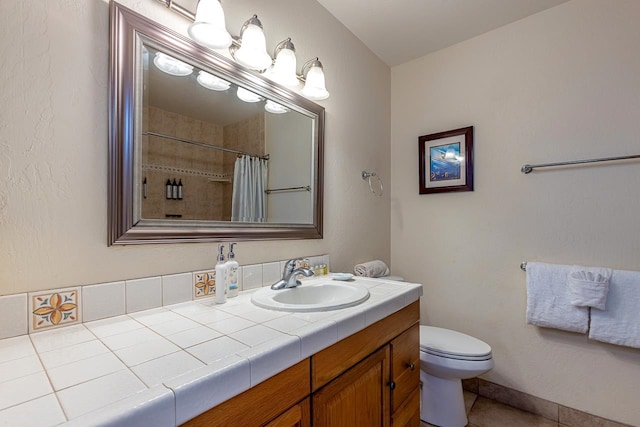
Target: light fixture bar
[{"x": 180, "y": 10}]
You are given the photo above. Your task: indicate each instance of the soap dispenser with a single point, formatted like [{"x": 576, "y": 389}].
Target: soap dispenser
[
  {"x": 232, "y": 273},
  {"x": 221, "y": 277}
]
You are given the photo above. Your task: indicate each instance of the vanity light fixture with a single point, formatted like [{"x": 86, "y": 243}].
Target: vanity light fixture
[
  {"x": 284, "y": 66},
  {"x": 248, "y": 96},
  {"x": 314, "y": 84},
  {"x": 172, "y": 66},
  {"x": 252, "y": 52},
  {"x": 274, "y": 107},
  {"x": 212, "y": 82},
  {"x": 209, "y": 27}
]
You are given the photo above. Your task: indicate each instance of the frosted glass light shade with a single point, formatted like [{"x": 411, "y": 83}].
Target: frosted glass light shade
[
  {"x": 247, "y": 96},
  {"x": 212, "y": 82},
  {"x": 209, "y": 27},
  {"x": 275, "y": 108},
  {"x": 284, "y": 69},
  {"x": 171, "y": 65},
  {"x": 253, "y": 50},
  {"x": 314, "y": 86}
]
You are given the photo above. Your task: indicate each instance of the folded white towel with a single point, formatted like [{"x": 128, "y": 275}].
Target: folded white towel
[
  {"x": 588, "y": 286},
  {"x": 374, "y": 268},
  {"x": 620, "y": 322},
  {"x": 548, "y": 301}
]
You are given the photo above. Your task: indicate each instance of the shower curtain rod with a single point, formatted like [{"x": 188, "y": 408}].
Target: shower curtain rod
[{"x": 200, "y": 144}]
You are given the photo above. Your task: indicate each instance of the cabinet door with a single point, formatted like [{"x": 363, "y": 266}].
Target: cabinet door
[
  {"x": 357, "y": 398},
  {"x": 297, "y": 416},
  {"x": 405, "y": 365}
]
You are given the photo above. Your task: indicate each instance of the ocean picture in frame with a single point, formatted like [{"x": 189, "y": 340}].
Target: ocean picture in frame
[{"x": 446, "y": 161}]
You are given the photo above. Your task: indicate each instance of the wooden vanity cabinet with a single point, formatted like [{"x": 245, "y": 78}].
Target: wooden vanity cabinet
[
  {"x": 371, "y": 378},
  {"x": 280, "y": 401},
  {"x": 368, "y": 379}
]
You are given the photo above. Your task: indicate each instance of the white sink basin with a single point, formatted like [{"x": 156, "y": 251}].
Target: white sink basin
[{"x": 323, "y": 296}]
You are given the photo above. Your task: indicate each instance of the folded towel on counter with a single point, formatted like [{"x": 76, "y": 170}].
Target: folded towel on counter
[
  {"x": 588, "y": 286},
  {"x": 620, "y": 322},
  {"x": 374, "y": 268},
  {"x": 548, "y": 299}
]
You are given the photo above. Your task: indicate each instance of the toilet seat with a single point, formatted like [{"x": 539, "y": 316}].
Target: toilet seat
[{"x": 452, "y": 344}]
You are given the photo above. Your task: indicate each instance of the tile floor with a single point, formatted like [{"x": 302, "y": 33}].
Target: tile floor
[{"x": 483, "y": 412}]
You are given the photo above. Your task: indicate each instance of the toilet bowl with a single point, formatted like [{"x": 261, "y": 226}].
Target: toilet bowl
[{"x": 446, "y": 358}]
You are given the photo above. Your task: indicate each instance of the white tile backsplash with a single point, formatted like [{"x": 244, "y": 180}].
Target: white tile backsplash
[
  {"x": 143, "y": 294},
  {"x": 271, "y": 273},
  {"x": 13, "y": 315},
  {"x": 251, "y": 276},
  {"x": 177, "y": 288},
  {"x": 108, "y": 300},
  {"x": 103, "y": 300}
]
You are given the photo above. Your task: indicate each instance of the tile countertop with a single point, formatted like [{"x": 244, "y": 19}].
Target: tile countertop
[{"x": 164, "y": 366}]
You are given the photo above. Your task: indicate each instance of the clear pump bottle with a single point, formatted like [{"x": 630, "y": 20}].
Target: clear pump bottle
[
  {"x": 232, "y": 273},
  {"x": 221, "y": 277}
]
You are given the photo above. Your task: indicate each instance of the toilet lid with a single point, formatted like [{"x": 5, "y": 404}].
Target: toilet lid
[{"x": 445, "y": 342}]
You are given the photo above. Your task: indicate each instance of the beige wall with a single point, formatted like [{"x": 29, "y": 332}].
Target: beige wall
[
  {"x": 53, "y": 144},
  {"x": 560, "y": 85}
]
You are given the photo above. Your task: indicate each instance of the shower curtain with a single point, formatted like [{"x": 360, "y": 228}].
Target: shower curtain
[{"x": 248, "y": 203}]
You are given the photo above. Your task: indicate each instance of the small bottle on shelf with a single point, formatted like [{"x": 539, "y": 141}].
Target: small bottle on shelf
[
  {"x": 174, "y": 189},
  {"x": 169, "y": 189}
]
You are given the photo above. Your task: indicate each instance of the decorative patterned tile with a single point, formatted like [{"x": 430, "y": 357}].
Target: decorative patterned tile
[
  {"x": 204, "y": 284},
  {"x": 59, "y": 307}
]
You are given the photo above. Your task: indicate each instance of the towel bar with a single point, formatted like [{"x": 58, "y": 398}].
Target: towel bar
[
  {"x": 523, "y": 266},
  {"x": 529, "y": 168}
]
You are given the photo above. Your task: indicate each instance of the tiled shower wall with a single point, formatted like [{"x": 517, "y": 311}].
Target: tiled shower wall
[
  {"x": 36, "y": 311},
  {"x": 205, "y": 173}
]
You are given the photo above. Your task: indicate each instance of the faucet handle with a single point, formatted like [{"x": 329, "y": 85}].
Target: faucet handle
[{"x": 289, "y": 266}]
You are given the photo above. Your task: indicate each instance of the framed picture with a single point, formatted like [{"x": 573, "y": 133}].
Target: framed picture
[{"x": 446, "y": 161}]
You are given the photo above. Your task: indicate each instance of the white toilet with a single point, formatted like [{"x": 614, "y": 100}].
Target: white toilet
[{"x": 446, "y": 358}]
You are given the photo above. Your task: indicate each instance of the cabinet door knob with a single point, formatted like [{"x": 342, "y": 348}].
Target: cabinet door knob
[
  {"x": 392, "y": 385},
  {"x": 411, "y": 366}
]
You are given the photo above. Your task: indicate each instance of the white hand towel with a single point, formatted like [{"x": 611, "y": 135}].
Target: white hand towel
[
  {"x": 620, "y": 322},
  {"x": 588, "y": 286},
  {"x": 374, "y": 268},
  {"x": 548, "y": 301}
]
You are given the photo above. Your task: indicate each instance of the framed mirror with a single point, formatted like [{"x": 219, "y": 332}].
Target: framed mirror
[{"x": 203, "y": 149}]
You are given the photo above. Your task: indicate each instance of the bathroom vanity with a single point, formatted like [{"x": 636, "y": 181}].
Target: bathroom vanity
[
  {"x": 200, "y": 363},
  {"x": 370, "y": 378}
]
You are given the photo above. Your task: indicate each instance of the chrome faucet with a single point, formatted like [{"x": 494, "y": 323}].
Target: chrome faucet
[{"x": 289, "y": 274}]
